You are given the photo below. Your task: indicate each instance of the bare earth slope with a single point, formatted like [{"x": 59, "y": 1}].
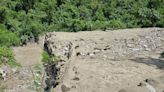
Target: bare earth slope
[
  {"x": 115, "y": 61},
  {"x": 28, "y": 55},
  {"x": 22, "y": 79}
]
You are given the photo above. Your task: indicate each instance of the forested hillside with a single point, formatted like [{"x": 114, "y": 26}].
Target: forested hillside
[{"x": 29, "y": 18}]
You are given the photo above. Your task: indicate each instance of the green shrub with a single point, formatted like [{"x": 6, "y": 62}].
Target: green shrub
[
  {"x": 37, "y": 78},
  {"x": 49, "y": 59},
  {"x": 116, "y": 24},
  {"x": 8, "y": 38},
  {"x": 7, "y": 57},
  {"x": 30, "y": 18}
]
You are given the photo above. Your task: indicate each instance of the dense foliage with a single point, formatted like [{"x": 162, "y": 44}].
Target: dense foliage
[
  {"x": 29, "y": 18},
  {"x": 7, "y": 39}
]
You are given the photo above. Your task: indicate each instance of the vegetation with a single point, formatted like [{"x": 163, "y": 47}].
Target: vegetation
[
  {"x": 7, "y": 57},
  {"x": 49, "y": 59},
  {"x": 7, "y": 39},
  {"x": 24, "y": 20},
  {"x": 29, "y": 18},
  {"x": 37, "y": 84}
]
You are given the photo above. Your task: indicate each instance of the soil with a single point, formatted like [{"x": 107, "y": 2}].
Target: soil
[
  {"x": 21, "y": 79},
  {"x": 125, "y": 60},
  {"x": 112, "y": 61}
]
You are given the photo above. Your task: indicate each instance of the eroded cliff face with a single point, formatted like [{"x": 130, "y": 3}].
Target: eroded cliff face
[{"x": 115, "y": 61}]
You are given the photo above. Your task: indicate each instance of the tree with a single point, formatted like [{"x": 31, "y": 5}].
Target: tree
[
  {"x": 8, "y": 38},
  {"x": 30, "y": 18}
]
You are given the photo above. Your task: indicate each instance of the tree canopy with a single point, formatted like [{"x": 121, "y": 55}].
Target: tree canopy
[{"x": 29, "y": 18}]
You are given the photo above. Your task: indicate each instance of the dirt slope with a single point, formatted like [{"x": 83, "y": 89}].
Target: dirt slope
[
  {"x": 115, "y": 61},
  {"x": 22, "y": 79},
  {"x": 28, "y": 55},
  {"x": 111, "y": 61}
]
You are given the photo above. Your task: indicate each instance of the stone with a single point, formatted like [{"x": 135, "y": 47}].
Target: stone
[{"x": 64, "y": 88}]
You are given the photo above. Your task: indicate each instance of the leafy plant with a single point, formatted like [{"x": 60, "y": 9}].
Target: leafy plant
[
  {"x": 37, "y": 80},
  {"x": 7, "y": 57},
  {"x": 49, "y": 59},
  {"x": 8, "y": 38}
]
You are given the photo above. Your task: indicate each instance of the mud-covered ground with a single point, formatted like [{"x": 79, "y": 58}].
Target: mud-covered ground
[
  {"x": 115, "y": 61},
  {"x": 96, "y": 61}
]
